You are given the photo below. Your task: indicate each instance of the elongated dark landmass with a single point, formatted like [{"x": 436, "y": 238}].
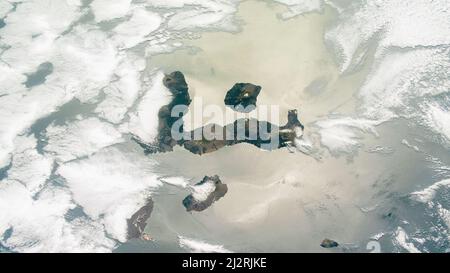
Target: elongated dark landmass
[
  {"x": 177, "y": 85},
  {"x": 138, "y": 221},
  {"x": 220, "y": 189},
  {"x": 242, "y": 97},
  {"x": 213, "y": 137}
]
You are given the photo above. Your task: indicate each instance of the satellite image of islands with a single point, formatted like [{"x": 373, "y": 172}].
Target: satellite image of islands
[{"x": 224, "y": 126}]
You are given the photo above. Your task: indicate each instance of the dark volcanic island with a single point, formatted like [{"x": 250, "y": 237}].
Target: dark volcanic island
[
  {"x": 138, "y": 221},
  {"x": 242, "y": 97},
  {"x": 205, "y": 193}
]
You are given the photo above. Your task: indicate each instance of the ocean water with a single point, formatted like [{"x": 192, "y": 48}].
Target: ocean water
[{"x": 288, "y": 58}]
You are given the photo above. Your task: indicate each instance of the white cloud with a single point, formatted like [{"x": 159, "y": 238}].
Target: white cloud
[
  {"x": 133, "y": 31},
  {"x": 80, "y": 138},
  {"x": 420, "y": 23},
  {"x": 39, "y": 225},
  {"x": 343, "y": 135},
  {"x": 202, "y": 191},
  {"x": 427, "y": 195},
  {"x": 297, "y": 7},
  {"x": 110, "y": 186},
  {"x": 5, "y": 7},
  {"x": 437, "y": 118},
  {"x": 144, "y": 123},
  {"x": 402, "y": 240},
  {"x": 121, "y": 94},
  {"x": 105, "y": 10},
  {"x": 199, "y": 13},
  {"x": 28, "y": 166}
]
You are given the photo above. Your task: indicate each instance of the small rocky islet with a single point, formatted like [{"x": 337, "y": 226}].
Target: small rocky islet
[
  {"x": 176, "y": 84},
  {"x": 217, "y": 191}
]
